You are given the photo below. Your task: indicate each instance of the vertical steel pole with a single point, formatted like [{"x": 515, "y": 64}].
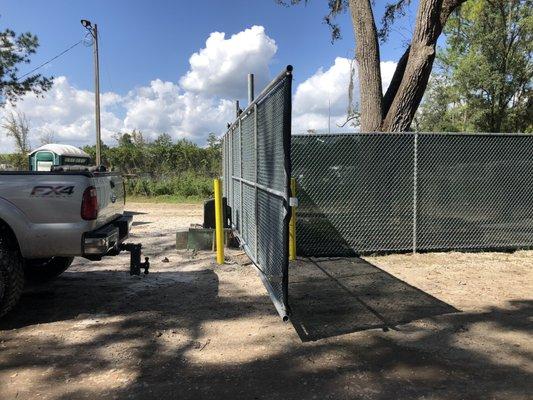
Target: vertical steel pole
[
  {"x": 97, "y": 96},
  {"x": 250, "y": 88},
  {"x": 224, "y": 167},
  {"x": 329, "y": 116},
  {"x": 219, "y": 227},
  {"x": 241, "y": 213},
  {"x": 256, "y": 204},
  {"x": 292, "y": 225},
  {"x": 415, "y": 189},
  {"x": 231, "y": 173}
]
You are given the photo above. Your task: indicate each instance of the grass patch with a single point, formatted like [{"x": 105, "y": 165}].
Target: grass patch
[{"x": 187, "y": 185}]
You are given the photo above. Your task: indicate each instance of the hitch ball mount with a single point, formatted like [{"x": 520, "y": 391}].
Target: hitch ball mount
[{"x": 135, "y": 258}]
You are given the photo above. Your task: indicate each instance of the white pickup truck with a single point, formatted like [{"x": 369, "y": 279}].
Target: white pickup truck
[{"x": 48, "y": 218}]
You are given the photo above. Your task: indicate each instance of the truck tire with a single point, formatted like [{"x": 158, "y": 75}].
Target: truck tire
[
  {"x": 40, "y": 271},
  {"x": 11, "y": 276}
]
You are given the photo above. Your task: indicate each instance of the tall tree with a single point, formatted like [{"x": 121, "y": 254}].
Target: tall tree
[
  {"x": 14, "y": 51},
  {"x": 46, "y": 137},
  {"x": 484, "y": 79},
  {"x": 16, "y": 126},
  {"x": 394, "y": 111}
]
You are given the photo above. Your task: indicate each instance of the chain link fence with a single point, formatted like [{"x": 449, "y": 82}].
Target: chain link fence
[
  {"x": 256, "y": 176},
  {"x": 381, "y": 192}
]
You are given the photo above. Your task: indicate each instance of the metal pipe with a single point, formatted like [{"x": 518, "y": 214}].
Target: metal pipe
[
  {"x": 250, "y": 88},
  {"x": 286, "y": 71},
  {"x": 329, "y": 117},
  {"x": 219, "y": 227},
  {"x": 264, "y": 188},
  {"x": 240, "y": 175},
  {"x": 415, "y": 190},
  {"x": 256, "y": 176},
  {"x": 292, "y": 224},
  {"x": 237, "y": 109}
]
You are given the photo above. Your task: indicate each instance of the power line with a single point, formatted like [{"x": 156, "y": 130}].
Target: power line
[{"x": 50, "y": 60}]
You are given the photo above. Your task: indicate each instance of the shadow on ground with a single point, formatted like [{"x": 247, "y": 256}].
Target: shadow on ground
[
  {"x": 335, "y": 296},
  {"x": 134, "y": 213},
  {"x": 77, "y": 294},
  {"x": 138, "y": 223},
  {"x": 417, "y": 363}
]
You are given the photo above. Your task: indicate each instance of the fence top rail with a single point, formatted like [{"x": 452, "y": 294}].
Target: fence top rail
[
  {"x": 264, "y": 93},
  {"x": 480, "y": 134}
]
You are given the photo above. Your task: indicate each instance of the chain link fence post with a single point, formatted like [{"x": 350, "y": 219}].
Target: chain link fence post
[{"x": 415, "y": 189}]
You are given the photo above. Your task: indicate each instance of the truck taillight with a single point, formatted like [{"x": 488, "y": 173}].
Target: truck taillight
[{"x": 89, "y": 204}]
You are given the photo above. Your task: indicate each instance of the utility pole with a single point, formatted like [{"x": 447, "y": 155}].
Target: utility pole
[
  {"x": 329, "y": 116},
  {"x": 94, "y": 33}
]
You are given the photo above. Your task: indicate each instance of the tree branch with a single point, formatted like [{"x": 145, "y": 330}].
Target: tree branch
[
  {"x": 405, "y": 95},
  {"x": 396, "y": 81},
  {"x": 448, "y": 6}
]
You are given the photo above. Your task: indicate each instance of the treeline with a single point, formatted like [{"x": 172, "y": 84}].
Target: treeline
[
  {"x": 177, "y": 170},
  {"x": 14, "y": 161},
  {"x": 483, "y": 78}
]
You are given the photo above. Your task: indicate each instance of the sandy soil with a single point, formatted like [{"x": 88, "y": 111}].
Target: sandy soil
[{"x": 449, "y": 326}]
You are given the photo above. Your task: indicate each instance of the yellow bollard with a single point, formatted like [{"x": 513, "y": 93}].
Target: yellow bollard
[
  {"x": 292, "y": 225},
  {"x": 219, "y": 224}
]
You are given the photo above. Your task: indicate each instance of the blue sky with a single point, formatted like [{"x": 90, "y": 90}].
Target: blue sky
[{"x": 145, "y": 41}]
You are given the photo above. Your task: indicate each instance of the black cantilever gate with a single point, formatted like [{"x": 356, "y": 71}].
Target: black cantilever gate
[{"x": 256, "y": 176}]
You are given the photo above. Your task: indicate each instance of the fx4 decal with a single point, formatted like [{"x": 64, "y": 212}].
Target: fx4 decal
[{"x": 52, "y": 191}]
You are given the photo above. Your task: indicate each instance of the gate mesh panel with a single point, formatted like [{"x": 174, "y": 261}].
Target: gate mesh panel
[
  {"x": 475, "y": 191},
  {"x": 355, "y": 193},
  {"x": 382, "y": 192},
  {"x": 256, "y": 154},
  {"x": 270, "y": 154}
]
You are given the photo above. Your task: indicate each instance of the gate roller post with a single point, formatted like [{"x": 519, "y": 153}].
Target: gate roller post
[
  {"x": 219, "y": 227},
  {"x": 292, "y": 225}
]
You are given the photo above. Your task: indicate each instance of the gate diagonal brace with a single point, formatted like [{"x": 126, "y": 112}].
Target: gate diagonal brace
[{"x": 135, "y": 258}]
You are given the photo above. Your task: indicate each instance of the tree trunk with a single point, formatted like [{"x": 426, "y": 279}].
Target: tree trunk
[
  {"x": 418, "y": 68},
  {"x": 414, "y": 69},
  {"x": 395, "y": 111},
  {"x": 368, "y": 59},
  {"x": 396, "y": 81}
]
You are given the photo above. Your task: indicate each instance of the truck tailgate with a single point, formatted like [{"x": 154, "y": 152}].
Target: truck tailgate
[{"x": 110, "y": 192}]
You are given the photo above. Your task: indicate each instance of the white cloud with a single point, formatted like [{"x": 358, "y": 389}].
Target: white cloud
[
  {"x": 327, "y": 90},
  {"x": 68, "y": 113},
  {"x": 163, "y": 107},
  {"x": 192, "y": 108},
  {"x": 219, "y": 67}
]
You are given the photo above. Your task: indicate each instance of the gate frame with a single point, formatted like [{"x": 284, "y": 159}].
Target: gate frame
[{"x": 282, "y": 307}]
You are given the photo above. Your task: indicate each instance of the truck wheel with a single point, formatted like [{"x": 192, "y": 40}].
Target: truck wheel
[
  {"x": 40, "y": 271},
  {"x": 11, "y": 276}
]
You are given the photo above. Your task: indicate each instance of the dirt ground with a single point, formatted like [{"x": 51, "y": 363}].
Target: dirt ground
[{"x": 427, "y": 326}]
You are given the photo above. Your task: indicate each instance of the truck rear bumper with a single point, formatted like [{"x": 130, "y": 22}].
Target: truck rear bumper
[{"x": 106, "y": 239}]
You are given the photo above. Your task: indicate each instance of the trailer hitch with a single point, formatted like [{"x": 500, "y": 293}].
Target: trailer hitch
[{"x": 135, "y": 258}]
